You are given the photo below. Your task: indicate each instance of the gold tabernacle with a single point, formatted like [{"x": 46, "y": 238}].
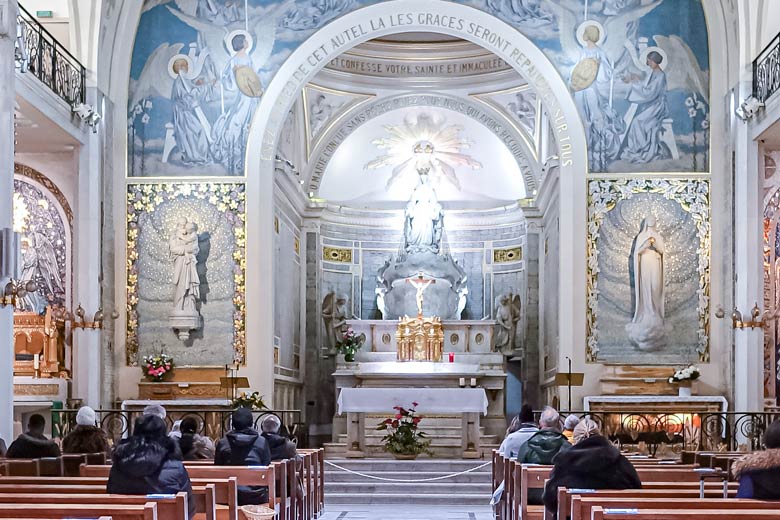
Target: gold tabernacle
[{"x": 420, "y": 339}]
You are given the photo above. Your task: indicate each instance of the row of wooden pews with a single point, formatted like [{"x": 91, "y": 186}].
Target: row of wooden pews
[
  {"x": 296, "y": 492},
  {"x": 66, "y": 465},
  {"x": 670, "y": 490}
]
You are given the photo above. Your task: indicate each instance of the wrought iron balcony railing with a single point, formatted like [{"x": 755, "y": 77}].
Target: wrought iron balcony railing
[
  {"x": 766, "y": 71},
  {"x": 50, "y": 62}
]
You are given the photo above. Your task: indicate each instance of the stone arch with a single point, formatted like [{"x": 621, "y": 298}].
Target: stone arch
[{"x": 396, "y": 16}]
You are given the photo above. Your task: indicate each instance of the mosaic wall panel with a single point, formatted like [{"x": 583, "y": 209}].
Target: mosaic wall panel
[
  {"x": 648, "y": 282},
  {"x": 45, "y": 235},
  {"x": 218, "y": 210},
  {"x": 639, "y": 72}
]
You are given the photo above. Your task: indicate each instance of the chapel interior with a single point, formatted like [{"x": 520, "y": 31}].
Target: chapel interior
[{"x": 334, "y": 211}]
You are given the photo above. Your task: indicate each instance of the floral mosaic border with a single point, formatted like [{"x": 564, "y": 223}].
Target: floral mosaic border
[
  {"x": 228, "y": 197},
  {"x": 694, "y": 197}
]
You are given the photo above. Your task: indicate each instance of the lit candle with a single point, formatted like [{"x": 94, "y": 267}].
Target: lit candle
[
  {"x": 462, "y": 381},
  {"x": 473, "y": 381},
  {"x": 452, "y": 357},
  {"x": 36, "y": 362}
]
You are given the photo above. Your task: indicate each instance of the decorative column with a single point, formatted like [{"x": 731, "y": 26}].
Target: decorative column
[
  {"x": 748, "y": 268},
  {"x": 8, "y": 10},
  {"x": 87, "y": 372}
]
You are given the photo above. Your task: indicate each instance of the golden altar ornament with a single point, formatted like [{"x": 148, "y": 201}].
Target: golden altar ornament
[{"x": 419, "y": 339}]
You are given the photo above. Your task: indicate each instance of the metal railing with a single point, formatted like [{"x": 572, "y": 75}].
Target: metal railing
[
  {"x": 212, "y": 422},
  {"x": 49, "y": 61},
  {"x": 652, "y": 431},
  {"x": 766, "y": 71}
]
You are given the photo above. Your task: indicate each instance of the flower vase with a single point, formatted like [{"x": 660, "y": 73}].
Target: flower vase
[
  {"x": 349, "y": 357},
  {"x": 405, "y": 456},
  {"x": 684, "y": 389}
]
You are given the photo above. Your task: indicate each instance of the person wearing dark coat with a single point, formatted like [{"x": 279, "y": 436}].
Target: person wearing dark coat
[
  {"x": 592, "y": 463},
  {"x": 193, "y": 445},
  {"x": 33, "y": 444},
  {"x": 280, "y": 446},
  {"x": 86, "y": 437},
  {"x": 758, "y": 473},
  {"x": 244, "y": 446},
  {"x": 149, "y": 463},
  {"x": 543, "y": 446}
]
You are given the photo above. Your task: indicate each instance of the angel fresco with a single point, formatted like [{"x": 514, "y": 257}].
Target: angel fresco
[
  {"x": 39, "y": 263},
  {"x": 212, "y": 86},
  {"x": 621, "y": 82}
]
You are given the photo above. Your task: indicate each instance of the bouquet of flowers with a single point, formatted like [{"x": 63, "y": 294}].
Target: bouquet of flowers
[
  {"x": 403, "y": 437},
  {"x": 688, "y": 373},
  {"x": 350, "y": 344},
  {"x": 253, "y": 401},
  {"x": 157, "y": 366}
]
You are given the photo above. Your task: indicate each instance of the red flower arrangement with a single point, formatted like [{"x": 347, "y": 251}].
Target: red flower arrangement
[
  {"x": 156, "y": 367},
  {"x": 403, "y": 436}
]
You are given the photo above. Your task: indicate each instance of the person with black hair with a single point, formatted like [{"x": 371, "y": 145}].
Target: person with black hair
[
  {"x": 149, "y": 463},
  {"x": 758, "y": 473},
  {"x": 194, "y": 446},
  {"x": 33, "y": 444},
  {"x": 244, "y": 446},
  {"x": 526, "y": 428}
]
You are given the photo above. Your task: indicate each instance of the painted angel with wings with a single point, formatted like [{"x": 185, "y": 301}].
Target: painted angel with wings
[
  {"x": 39, "y": 262},
  {"x": 508, "y": 308}
]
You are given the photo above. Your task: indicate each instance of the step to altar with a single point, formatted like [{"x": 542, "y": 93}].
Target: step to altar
[{"x": 343, "y": 487}]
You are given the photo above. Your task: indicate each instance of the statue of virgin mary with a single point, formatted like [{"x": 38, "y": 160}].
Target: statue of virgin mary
[{"x": 646, "y": 330}]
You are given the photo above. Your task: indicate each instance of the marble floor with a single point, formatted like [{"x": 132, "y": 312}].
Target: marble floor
[{"x": 394, "y": 512}]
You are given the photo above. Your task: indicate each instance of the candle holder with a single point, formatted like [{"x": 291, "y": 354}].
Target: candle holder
[
  {"x": 738, "y": 322},
  {"x": 16, "y": 289}
]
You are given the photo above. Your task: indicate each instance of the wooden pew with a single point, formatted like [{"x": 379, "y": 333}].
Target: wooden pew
[
  {"x": 599, "y": 513},
  {"x": 497, "y": 476},
  {"x": 169, "y": 507},
  {"x": 582, "y": 506},
  {"x": 226, "y": 485},
  {"x": 649, "y": 490},
  {"x": 147, "y": 511}
]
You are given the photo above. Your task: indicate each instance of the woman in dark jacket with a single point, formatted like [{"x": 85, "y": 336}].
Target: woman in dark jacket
[
  {"x": 244, "y": 446},
  {"x": 194, "y": 446},
  {"x": 85, "y": 437},
  {"x": 149, "y": 463},
  {"x": 759, "y": 472},
  {"x": 592, "y": 463}
]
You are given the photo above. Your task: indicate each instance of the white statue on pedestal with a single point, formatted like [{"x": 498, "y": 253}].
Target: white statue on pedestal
[
  {"x": 423, "y": 219},
  {"x": 646, "y": 330},
  {"x": 183, "y": 248}
]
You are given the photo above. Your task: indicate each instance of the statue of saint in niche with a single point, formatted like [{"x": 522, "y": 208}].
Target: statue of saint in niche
[
  {"x": 335, "y": 314},
  {"x": 646, "y": 330},
  {"x": 183, "y": 247},
  {"x": 508, "y": 308},
  {"x": 424, "y": 220}
]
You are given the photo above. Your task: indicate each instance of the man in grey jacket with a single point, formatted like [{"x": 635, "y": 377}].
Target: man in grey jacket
[{"x": 512, "y": 443}]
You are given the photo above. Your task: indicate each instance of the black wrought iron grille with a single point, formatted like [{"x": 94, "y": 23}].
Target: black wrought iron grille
[
  {"x": 50, "y": 62},
  {"x": 766, "y": 71}
]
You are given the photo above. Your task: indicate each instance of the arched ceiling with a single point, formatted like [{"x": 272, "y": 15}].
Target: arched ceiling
[{"x": 362, "y": 95}]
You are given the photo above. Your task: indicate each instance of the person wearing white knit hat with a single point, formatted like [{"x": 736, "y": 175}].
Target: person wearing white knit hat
[{"x": 86, "y": 437}]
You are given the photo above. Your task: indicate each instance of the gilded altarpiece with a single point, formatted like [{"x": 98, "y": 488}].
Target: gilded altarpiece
[
  {"x": 617, "y": 210},
  {"x": 219, "y": 211}
]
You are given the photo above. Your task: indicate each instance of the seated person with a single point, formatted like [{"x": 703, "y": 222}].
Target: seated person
[
  {"x": 86, "y": 437},
  {"x": 758, "y": 473},
  {"x": 568, "y": 427},
  {"x": 592, "y": 463},
  {"x": 194, "y": 446},
  {"x": 543, "y": 446},
  {"x": 33, "y": 444},
  {"x": 243, "y": 446},
  {"x": 524, "y": 427},
  {"x": 149, "y": 463},
  {"x": 281, "y": 447}
]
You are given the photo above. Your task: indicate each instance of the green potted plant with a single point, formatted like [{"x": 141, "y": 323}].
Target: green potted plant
[
  {"x": 403, "y": 439},
  {"x": 350, "y": 344},
  {"x": 253, "y": 401}
]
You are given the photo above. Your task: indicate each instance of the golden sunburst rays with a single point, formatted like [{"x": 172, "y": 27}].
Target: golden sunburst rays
[{"x": 423, "y": 144}]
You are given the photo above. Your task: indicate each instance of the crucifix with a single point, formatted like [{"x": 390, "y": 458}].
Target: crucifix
[{"x": 420, "y": 283}]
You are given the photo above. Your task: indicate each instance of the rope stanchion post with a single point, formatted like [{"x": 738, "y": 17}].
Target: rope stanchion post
[{"x": 442, "y": 477}]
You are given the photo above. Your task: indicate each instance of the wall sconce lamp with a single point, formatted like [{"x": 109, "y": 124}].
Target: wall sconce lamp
[
  {"x": 738, "y": 322},
  {"x": 78, "y": 321},
  {"x": 16, "y": 289}
]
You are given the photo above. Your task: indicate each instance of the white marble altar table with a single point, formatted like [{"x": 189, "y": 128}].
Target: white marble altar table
[
  {"x": 356, "y": 402},
  {"x": 430, "y": 400}
]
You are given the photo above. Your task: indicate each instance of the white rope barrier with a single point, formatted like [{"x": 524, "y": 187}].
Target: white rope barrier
[{"x": 443, "y": 477}]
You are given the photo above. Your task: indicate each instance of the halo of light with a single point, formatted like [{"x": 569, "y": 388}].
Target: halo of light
[
  {"x": 659, "y": 50},
  {"x": 581, "y": 32},
  {"x": 176, "y": 58},
  {"x": 232, "y": 34}
]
